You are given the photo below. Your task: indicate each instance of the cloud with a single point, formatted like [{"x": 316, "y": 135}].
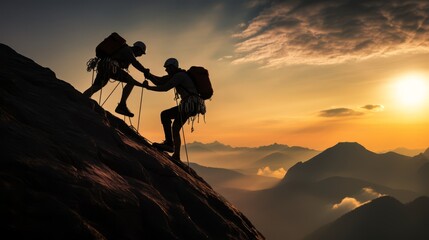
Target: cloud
[
  {"x": 347, "y": 204},
  {"x": 348, "y": 112},
  {"x": 368, "y": 194},
  {"x": 339, "y": 112},
  {"x": 374, "y": 107},
  {"x": 266, "y": 171},
  {"x": 332, "y": 31},
  {"x": 225, "y": 57},
  {"x": 255, "y": 3}
]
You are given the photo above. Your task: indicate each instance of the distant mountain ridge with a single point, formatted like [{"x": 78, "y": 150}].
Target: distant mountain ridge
[
  {"x": 218, "y": 146},
  {"x": 214, "y": 146},
  {"x": 353, "y": 160},
  {"x": 407, "y": 152},
  {"x": 249, "y": 160}
]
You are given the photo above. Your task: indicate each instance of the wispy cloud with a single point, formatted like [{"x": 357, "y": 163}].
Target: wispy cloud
[
  {"x": 332, "y": 31},
  {"x": 339, "y": 112},
  {"x": 369, "y": 193},
  {"x": 266, "y": 171},
  {"x": 225, "y": 57},
  {"x": 348, "y": 112},
  {"x": 374, "y": 107},
  {"x": 255, "y": 3}
]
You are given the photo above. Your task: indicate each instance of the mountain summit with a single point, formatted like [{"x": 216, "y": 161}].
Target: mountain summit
[
  {"x": 342, "y": 156},
  {"x": 352, "y": 160},
  {"x": 71, "y": 170}
]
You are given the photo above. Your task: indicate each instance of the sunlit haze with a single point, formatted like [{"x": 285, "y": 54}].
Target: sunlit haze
[
  {"x": 412, "y": 90},
  {"x": 301, "y": 73}
]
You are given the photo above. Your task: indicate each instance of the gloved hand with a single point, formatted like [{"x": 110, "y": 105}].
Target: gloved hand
[
  {"x": 145, "y": 84},
  {"x": 146, "y": 72}
]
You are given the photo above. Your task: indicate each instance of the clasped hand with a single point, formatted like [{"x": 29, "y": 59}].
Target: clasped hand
[
  {"x": 145, "y": 84},
  {"x": 146, "y": 72}
]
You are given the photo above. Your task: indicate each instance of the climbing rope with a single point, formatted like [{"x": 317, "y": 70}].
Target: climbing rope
[
  {"x": 92, "y": 65},
  {"x": 101, "y": 92},
  {"x": 140, "y": 109},
  {"x": 110, "y": 93},
  {"x": 129, "y": 118}
]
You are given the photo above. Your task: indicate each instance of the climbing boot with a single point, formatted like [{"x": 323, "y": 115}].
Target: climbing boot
[
  {"x": 164, "y": 146},
  {"x": 176, "y": 157},
  {"x": 122, "y": 109}
]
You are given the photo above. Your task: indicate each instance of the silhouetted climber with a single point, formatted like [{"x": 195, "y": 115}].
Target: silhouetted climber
[
  {"x": 190, "y": 104},
  {"x": 111, "y": 66}
]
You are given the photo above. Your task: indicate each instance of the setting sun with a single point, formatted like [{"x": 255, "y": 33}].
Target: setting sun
[{"x": 411, "y": 90}]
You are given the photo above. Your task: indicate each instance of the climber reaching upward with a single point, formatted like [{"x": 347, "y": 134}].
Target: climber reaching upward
[{"x": 190, "y": 104}]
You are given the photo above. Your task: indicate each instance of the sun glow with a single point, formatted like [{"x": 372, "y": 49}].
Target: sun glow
[{"x": 411, "y": 90}]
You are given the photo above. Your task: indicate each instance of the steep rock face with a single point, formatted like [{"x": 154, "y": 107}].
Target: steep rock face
[{"x": 70, "y": 170}]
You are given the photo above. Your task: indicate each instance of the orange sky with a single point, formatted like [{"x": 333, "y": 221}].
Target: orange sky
[{"x": 282, "y": 72}]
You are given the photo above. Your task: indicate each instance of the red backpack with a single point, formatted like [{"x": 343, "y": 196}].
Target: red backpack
[
  {"x": 200, "y": 77},
  {"x": 110, "y": 45}
]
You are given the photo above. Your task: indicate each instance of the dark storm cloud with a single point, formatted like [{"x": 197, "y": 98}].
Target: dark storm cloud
[
  {"x": 333, "y": 31},
  {"x": 339, "y": 112}
]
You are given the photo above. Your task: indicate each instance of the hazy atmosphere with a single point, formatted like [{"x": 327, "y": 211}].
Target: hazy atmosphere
[{"x": 304, "y": 73}]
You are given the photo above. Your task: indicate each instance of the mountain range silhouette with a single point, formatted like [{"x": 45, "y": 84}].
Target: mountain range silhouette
[
  {"x": 248, "y": 160},
  {"x": 71, "y": 170},
  {"x": 304, "y": 200},
  {"x": 382, "y": 218},
  {"x": 352, "y": 160},
  {"x": 218, "y": 146}
]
